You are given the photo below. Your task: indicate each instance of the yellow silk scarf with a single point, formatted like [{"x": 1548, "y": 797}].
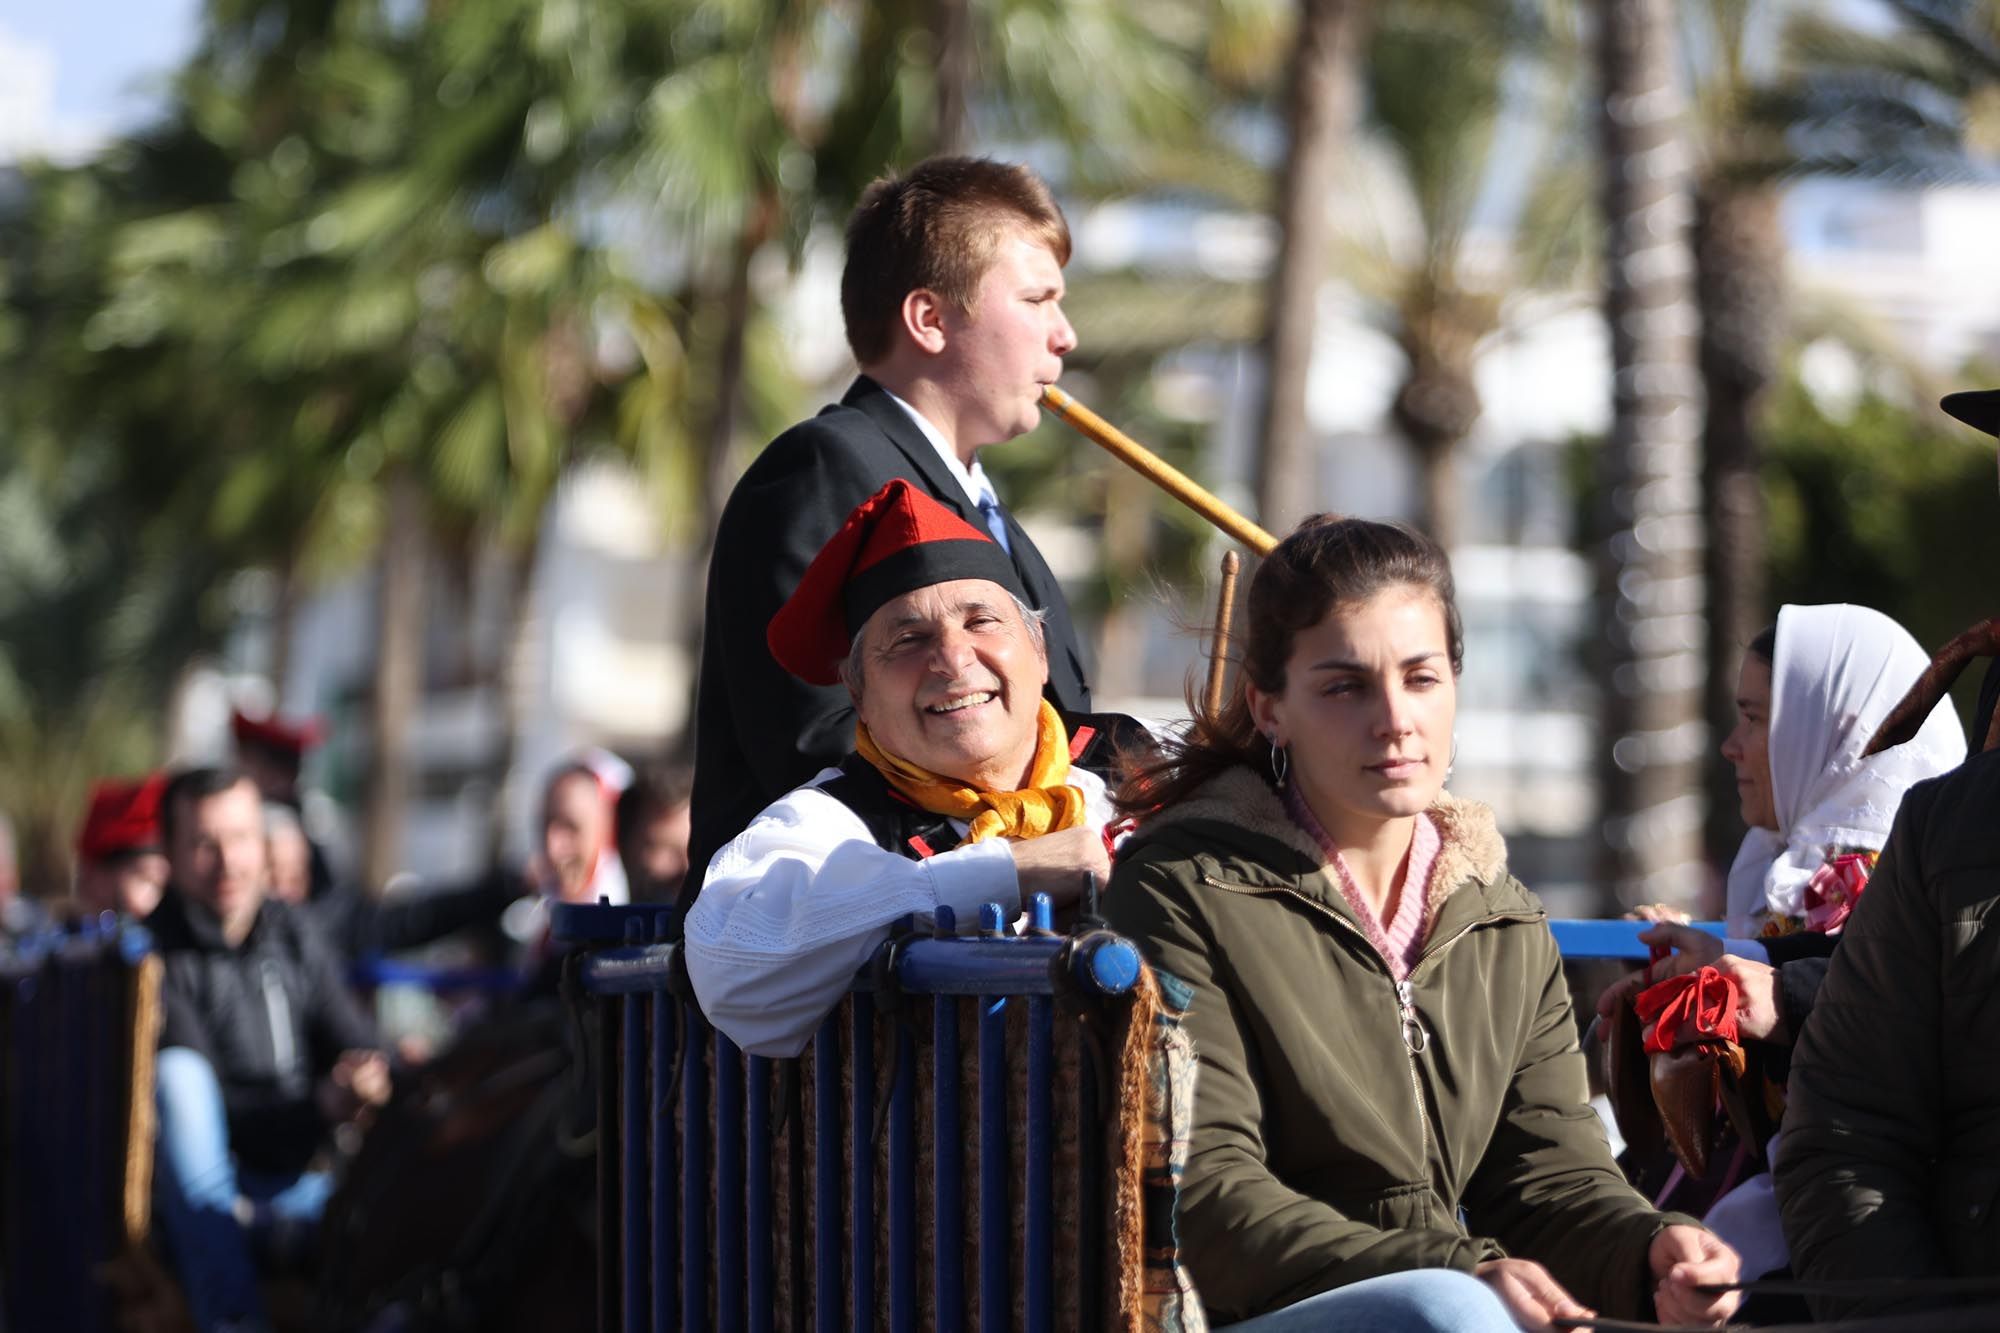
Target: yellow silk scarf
[{"x": 1048, "y": 803}]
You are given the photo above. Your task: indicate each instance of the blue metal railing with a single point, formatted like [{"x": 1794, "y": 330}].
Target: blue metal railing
[
  {"x": 720, "y": 1171},
  {"x": 1580, "y": 940},
  {"x": 66, "y": 1010}
]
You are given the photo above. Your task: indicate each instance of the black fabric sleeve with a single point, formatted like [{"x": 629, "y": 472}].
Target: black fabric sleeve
[
  {"x": 417, "y": 918},
  {"x": 1782, "y": 949},
  {"x": 1798, "y": 987},
  {"x": 787, "y": 729}
]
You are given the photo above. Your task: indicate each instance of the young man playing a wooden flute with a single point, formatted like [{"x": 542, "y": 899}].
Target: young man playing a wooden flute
[{"x": 952, "y": 300}]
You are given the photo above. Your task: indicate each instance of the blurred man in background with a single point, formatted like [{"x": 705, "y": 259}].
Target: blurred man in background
[
  {"x": 653, "y": 833},
  {"x": 263, "y": 1052}
]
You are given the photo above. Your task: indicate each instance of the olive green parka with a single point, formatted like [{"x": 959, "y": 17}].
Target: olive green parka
[{"x": 1343, "y": 1122}]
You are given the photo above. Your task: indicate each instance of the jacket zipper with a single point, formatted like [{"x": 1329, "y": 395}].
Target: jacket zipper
[
  {"x": 1416, "y": 1039},
  {"x": 278, "y": 1012}
]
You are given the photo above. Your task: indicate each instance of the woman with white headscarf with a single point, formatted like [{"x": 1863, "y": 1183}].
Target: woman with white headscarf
[{"x": 1812, "y": 691}]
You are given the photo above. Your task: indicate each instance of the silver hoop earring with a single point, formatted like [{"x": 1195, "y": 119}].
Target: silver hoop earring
[{"x": 1281, "y": 764}]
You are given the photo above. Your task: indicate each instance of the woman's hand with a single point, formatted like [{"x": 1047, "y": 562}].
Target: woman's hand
[
  {"x": 1759, "y": 1015},
  {"x": 1683, "y": 1258},
  {"x": 1531, "y": 1295},
  {"x": 1693, "y": 950}
]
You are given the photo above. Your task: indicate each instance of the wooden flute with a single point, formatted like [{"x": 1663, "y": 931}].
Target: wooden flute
[{"x": 1155, "y": 469}]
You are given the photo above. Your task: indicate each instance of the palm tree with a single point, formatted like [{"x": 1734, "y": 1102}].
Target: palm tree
[
  {"x": 1833, "y": 100},
  {"x": 1651, "y": 563},
  {"x": 1437, "y": 75},
  {"x": 1320, "y": 104}
]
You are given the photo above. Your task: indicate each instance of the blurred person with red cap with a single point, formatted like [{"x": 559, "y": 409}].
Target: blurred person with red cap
[
  {"x": 952, "y": 302},
  {"x": 263, "y": 1052},
  {"x": 121, "y": 864},
  {"x": 963, "y": 785},
  {"x": 271, "y": 750}
]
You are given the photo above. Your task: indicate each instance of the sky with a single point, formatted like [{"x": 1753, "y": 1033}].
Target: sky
[{"x": 73, "y": 72}]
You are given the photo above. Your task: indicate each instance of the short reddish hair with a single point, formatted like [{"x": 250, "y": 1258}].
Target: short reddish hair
[{"x": 937, "y": 226}]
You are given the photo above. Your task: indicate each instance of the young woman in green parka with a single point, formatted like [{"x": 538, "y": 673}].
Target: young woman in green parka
[{"x": 1391, "y": 1122}]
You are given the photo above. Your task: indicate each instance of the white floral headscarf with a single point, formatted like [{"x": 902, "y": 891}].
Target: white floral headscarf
[{"x": 1838, "y": 671}]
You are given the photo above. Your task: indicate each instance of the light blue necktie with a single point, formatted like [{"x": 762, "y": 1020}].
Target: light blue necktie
[{"x": 996, "y": 522}]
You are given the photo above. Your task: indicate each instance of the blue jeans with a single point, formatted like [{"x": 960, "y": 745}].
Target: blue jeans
[
  {"x": 200, "y": 1192},
  {"x": 1424, "y": 1300}
]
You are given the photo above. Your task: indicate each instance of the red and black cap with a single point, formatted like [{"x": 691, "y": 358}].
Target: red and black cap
[
  {"x": 275, "y": 734},
  {"x": 124, "y": 817},
  {"x": 1978, "y": 408},
  {"x": 896, "y": 541}
]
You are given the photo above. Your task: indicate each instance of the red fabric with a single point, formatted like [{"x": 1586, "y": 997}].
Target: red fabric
[
  {"x": 274, "y": 733},
  {"x": 1695, "y": 1007},
  {"x": 124, "y": 816},
  {"x": 1834, "y": 889},
  {"x": 808, "y": 636}
]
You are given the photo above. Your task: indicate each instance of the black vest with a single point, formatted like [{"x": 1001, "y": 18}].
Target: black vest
[{"x": 1100, "y": 743}]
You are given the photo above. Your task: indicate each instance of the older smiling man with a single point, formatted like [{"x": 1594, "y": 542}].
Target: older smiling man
[{"x": 965, "y": 787}]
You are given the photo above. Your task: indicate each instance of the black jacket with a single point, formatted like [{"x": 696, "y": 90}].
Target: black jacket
[
  {"x": 1890, "y": 1164},
  {"x": 760, "y": 731},
  {"x": 358, "y": 926},
  {"x": 271, "y": 1016}
]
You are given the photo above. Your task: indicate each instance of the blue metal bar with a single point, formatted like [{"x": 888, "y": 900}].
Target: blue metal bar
[
  {"x": 599, "y": 922},
  {"x": 974, "y": 966},
  {"x": 903, "y": 1186},
  {"x": 630, "y": 970},
  {"x": 763, "y": 1286},
  {"x": 827, "y": 1312},
  {"x": 996, "y": 1304},
  {"x": 632, "y": 1136},
  {"x": 666, "y": 1231},
  {"x": 948, "y": 1186},
  {"x": 694, "y": 1172},
  {"x": 1039, "y": 1259},
  {"x": 373, "y": 972},
  {"x": 729, "y": 1235},
  {"x": 1611, "y": 939},
  {"x": 861, "y": 1148}
]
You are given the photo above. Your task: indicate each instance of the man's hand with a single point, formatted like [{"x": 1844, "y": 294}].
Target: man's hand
[
  {"x": 1683, "y": 1258},
  {"x": 1693, "y": 950},
  {"x": 1055, "y": 864},
  {"x": 1530, "y": 1294},
  {"x": 357, "y": 1085}
]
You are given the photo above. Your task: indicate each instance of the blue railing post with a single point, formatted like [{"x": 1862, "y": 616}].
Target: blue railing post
[
  {"x": 762, "y": 1288},
  {"x": 695, "y": 1164},
  {"x": 729, "y": 1234},
  {"x": 948, "y": 1152},
  {"x": 1038, "y": 1279},
  {"x": 861, "y": 1149},
  {"x": 828, "y": 1308},
  {"x": 996, "y": 1305},
  {"x": 632, "y": 1083}
]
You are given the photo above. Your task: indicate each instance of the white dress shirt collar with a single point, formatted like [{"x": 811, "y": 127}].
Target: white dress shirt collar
[{"x": 971, "y": 480}]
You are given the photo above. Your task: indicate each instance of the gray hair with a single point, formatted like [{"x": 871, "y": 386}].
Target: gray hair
[{"x": 1033, "y": 617}]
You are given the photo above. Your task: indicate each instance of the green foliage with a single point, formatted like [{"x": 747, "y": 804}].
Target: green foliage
[{"x": 1887, "y": 507}]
